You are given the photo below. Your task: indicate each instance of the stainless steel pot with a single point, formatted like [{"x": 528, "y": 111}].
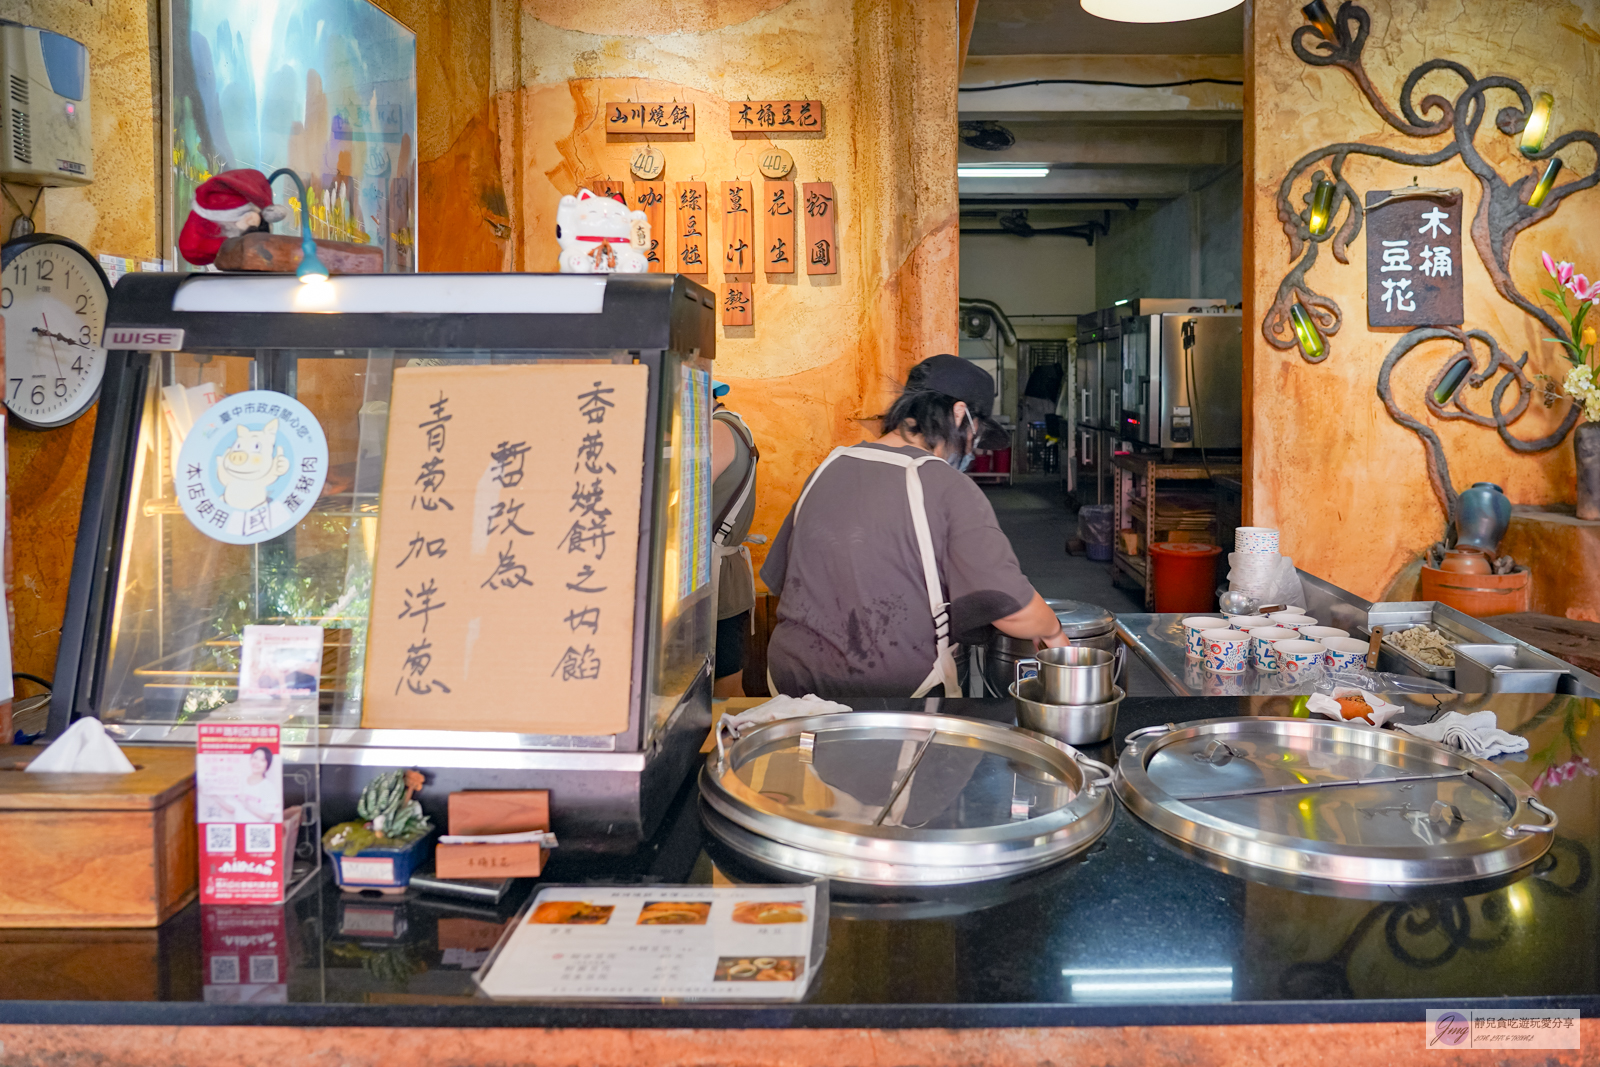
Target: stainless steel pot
[
  {"x": 1086, "y": 625},
  {"x": 1072, "y": 674},
  {"x": 1076, "y": 724}
]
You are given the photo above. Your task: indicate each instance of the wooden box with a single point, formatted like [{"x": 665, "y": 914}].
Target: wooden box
[
  {"x": 494, "y": 811},
  {"x": 107, "y": 850}
]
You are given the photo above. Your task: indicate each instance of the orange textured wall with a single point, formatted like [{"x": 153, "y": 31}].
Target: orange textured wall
[{"x": 1347, "y": 486}]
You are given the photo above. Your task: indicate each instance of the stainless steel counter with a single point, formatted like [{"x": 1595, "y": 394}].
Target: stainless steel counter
[{"x": 1159, "y": 640}]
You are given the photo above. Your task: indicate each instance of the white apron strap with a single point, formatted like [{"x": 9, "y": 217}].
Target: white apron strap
[{"x": 944, "y": 664}]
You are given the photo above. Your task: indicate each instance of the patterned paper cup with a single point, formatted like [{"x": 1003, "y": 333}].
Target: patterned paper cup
[
  {"x": 1262, "y": 638},
  {"x": 1256, "y": 540},
  {"x": 1291, "y": 621},
  {"x": 1192, "y": 629},
  {"x": 1345, "y": 653},
  {"x": 1322, "y": 633},
  {"x": 1248, "y": 622},
  {"x": 1298, "y": 657},
  {"x": 1227, "y": 651}
]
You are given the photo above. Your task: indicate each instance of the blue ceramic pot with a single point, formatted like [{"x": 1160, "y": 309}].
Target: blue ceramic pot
[{"x": 1482, "y": 515}]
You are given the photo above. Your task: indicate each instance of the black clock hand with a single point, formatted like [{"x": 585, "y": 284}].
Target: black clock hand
[
  {"x": 51, "y": 337},
  {"x": 60, "y": 337}
]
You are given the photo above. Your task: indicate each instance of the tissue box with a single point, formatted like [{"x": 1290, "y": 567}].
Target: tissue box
[
  {"x": 494, "y": 811},
  {"x": 107, "y": 850}
]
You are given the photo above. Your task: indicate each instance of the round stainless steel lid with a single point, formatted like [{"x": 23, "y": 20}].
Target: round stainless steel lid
[
  {"x": 903, "y": 798},
  {"x": 1082, "y": 620},
  {"x": 1271, "y": 795}
]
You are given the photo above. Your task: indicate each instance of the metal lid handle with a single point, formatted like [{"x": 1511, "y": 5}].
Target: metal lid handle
[
  {"x": 1165, "y": 728},
  {"x": 1106, "y": 773},
  {"x": 1528, "y": 828},
  {"x": 1022, "y": 662}
]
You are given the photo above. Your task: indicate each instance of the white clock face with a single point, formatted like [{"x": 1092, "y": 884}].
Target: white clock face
[{"x": 54, "y": 302}]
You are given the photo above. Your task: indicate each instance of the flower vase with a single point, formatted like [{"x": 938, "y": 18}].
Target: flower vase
[{"x": 1586, "y": 444}]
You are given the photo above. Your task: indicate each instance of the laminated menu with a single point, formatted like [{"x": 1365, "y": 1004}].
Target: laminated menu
[
  {"x": 507, "y": 549},
  {"x": 655, "y": 942}
]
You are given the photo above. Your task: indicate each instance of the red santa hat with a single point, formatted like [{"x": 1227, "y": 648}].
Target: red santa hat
[{"x": 226, "y": 205}]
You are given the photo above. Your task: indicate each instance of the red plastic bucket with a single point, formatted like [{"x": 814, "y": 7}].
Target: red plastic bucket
[{"x": 1185, "y": 575}]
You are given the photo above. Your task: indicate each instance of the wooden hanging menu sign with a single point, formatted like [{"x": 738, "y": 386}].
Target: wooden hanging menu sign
[
  {"x": 1414, "y": 257},
  {"x": 690, "y": 200},
  {"x": 738, "y": 228},
  {"x": 634, "y": 117},
  {"x": 738, "y": 304},
  {"x": 776, "y": 116},
  {"x": 651, "y": 198},
  {"x": 503, "y": 584},
  {"x": 607, "y": 187},
  {"x": 821, "y": 250},
  {"x": 777, "y": 232}
]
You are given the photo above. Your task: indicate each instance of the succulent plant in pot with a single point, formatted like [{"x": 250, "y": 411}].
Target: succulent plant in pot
[{"x": 381, "y": 849}]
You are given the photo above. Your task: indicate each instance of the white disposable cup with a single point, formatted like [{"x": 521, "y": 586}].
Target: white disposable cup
[
  {"x": 1297, "y": 656},
  {"x": 1256, "y": 540},
  {"x": 1345, "y": 653},
  {"x": 1248, "y": 622},
  {"x": 1262, "y": 638},
  {"x": 1226, "y": 651},
  {"x": 1322, "y": 633},
  {"x": 1192, "y": 628},
  {"x": 1291, "y": 620}
]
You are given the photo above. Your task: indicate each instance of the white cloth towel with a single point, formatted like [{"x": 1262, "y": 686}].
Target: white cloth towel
[
  {"x": 83, "y": 749},
  {"x": 1476, "y": 734},
  {"x": 779, "y": 707}
]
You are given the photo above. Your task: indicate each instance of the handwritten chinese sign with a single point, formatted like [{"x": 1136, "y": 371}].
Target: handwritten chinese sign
[
  {"x": 607, "y": 187},
  {"x": 651, "y": 198},
  {"x": 689, "y": 199},
  {"x": 821, "y": 249},
  {"x": 1414, "y": 258},
  {"x": 738, "y": 304},
  {"x": 777, "y": 232},
  {"x": 775, "y": 116},
  {"x": 633, "y": 117},
  {"x": 738, "y": 228},
  {"x": 503, "y": 584}
]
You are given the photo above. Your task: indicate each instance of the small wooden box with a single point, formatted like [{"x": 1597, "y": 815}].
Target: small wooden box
[
  {"x": 494, "y": 811},
  {"x": 107, "y": 850}
]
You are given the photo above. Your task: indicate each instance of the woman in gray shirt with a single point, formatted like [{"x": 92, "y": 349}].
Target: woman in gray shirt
[{"x": 892, "y": 556}]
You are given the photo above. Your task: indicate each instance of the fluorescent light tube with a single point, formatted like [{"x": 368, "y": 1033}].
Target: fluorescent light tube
[{"x": 1002, "y": 172}]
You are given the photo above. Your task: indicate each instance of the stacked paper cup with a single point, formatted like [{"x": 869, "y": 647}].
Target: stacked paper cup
[{"x": 1254, "y": 561}]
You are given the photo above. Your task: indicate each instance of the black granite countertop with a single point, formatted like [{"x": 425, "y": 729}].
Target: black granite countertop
[{"x": 1134, "y": 932}]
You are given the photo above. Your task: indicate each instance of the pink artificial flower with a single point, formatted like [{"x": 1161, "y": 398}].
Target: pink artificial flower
[
  {"x": 1583, "y": 289},
  {"x": 1549, "y": 264}
]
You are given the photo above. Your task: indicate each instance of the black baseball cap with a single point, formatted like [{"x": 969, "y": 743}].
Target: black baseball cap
[{"x": 967, "y": 382}]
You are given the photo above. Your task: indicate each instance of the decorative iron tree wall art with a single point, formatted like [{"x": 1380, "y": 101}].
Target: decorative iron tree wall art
[{"x": 1503, "y": 211}]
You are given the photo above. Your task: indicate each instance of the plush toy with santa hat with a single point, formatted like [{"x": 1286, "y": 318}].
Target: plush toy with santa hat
[{"x": 229, "y": 204}]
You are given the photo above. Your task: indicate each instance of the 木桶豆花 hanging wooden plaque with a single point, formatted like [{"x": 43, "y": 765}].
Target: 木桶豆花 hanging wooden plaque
[
  {"x": 631, "y": 117},
  {"x": 738, "y": 228},
  {"x": 777, "y": 229},
  {"x": 606, "y": 187},
  {"x": 738, "y": 303},
  {"x": 647, "y": 163},
  {"x": 775, "y": 116},
  {"x": 503, "y": 582},
  {"x": 1414, "y": 258},
  {"x": 775, "y": 163},
  {"x": 689, "y": 201},
  {"x": 651, "y": 198},
  {"x": 821, "y": 249}
]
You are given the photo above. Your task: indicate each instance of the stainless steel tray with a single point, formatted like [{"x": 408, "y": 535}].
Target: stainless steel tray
[
  {"x": 1403, "y": 615},
  {"x": 903, "y": 798},
  {"x": 1421, "y": 814}
]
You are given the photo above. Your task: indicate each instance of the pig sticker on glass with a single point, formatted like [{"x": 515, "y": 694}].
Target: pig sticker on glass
[{"x": 253, "y": 466}]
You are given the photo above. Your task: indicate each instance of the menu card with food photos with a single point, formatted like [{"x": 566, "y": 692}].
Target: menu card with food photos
[
  {"x": 507, "y": 548},
  {"x": 655, "y": 942}
]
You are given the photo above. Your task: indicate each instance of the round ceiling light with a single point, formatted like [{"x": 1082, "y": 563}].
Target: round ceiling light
[{"x": 1156, "y": 10}]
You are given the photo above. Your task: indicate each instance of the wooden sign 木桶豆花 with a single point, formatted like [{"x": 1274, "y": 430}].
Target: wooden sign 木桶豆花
[
  {"x": 775, "y": 116},
  {"x": 1414, "y": 258},
  {"x": 507, "y": 549},
  {"x": 647, "y": 117}
]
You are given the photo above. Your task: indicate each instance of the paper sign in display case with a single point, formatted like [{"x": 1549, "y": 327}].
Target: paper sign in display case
[{"x": 490, "y": 493}]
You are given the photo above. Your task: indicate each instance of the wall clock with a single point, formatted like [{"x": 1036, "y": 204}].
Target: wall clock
[{"x": 53, "y": 296}]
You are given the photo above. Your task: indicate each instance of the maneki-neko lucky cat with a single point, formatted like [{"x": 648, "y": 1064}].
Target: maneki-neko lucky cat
[{"x": 599, "y": 235}]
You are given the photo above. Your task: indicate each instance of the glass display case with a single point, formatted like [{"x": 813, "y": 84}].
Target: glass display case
[{"x": 158, "y": 604}]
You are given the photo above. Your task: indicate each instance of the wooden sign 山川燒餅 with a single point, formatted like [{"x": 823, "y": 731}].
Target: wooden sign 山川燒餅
[
  {"x": 651, "y": 198},
  {"x": 821, "y": 249},
  {"x": 738, "y": 303},
  {"x": 777, "y": 230},
  {"x": 631, "y": 117},
  {"x": 689, "y": 202},
  {"x": 503, "y": 581},
  {"x": 775, "y": 116},
  {"x": 1414, "y": 258},
  {"x": 738, "y": 228}
]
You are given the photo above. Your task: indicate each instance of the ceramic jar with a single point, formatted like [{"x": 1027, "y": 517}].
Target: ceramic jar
[{"x": 1482, "y": 515}]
